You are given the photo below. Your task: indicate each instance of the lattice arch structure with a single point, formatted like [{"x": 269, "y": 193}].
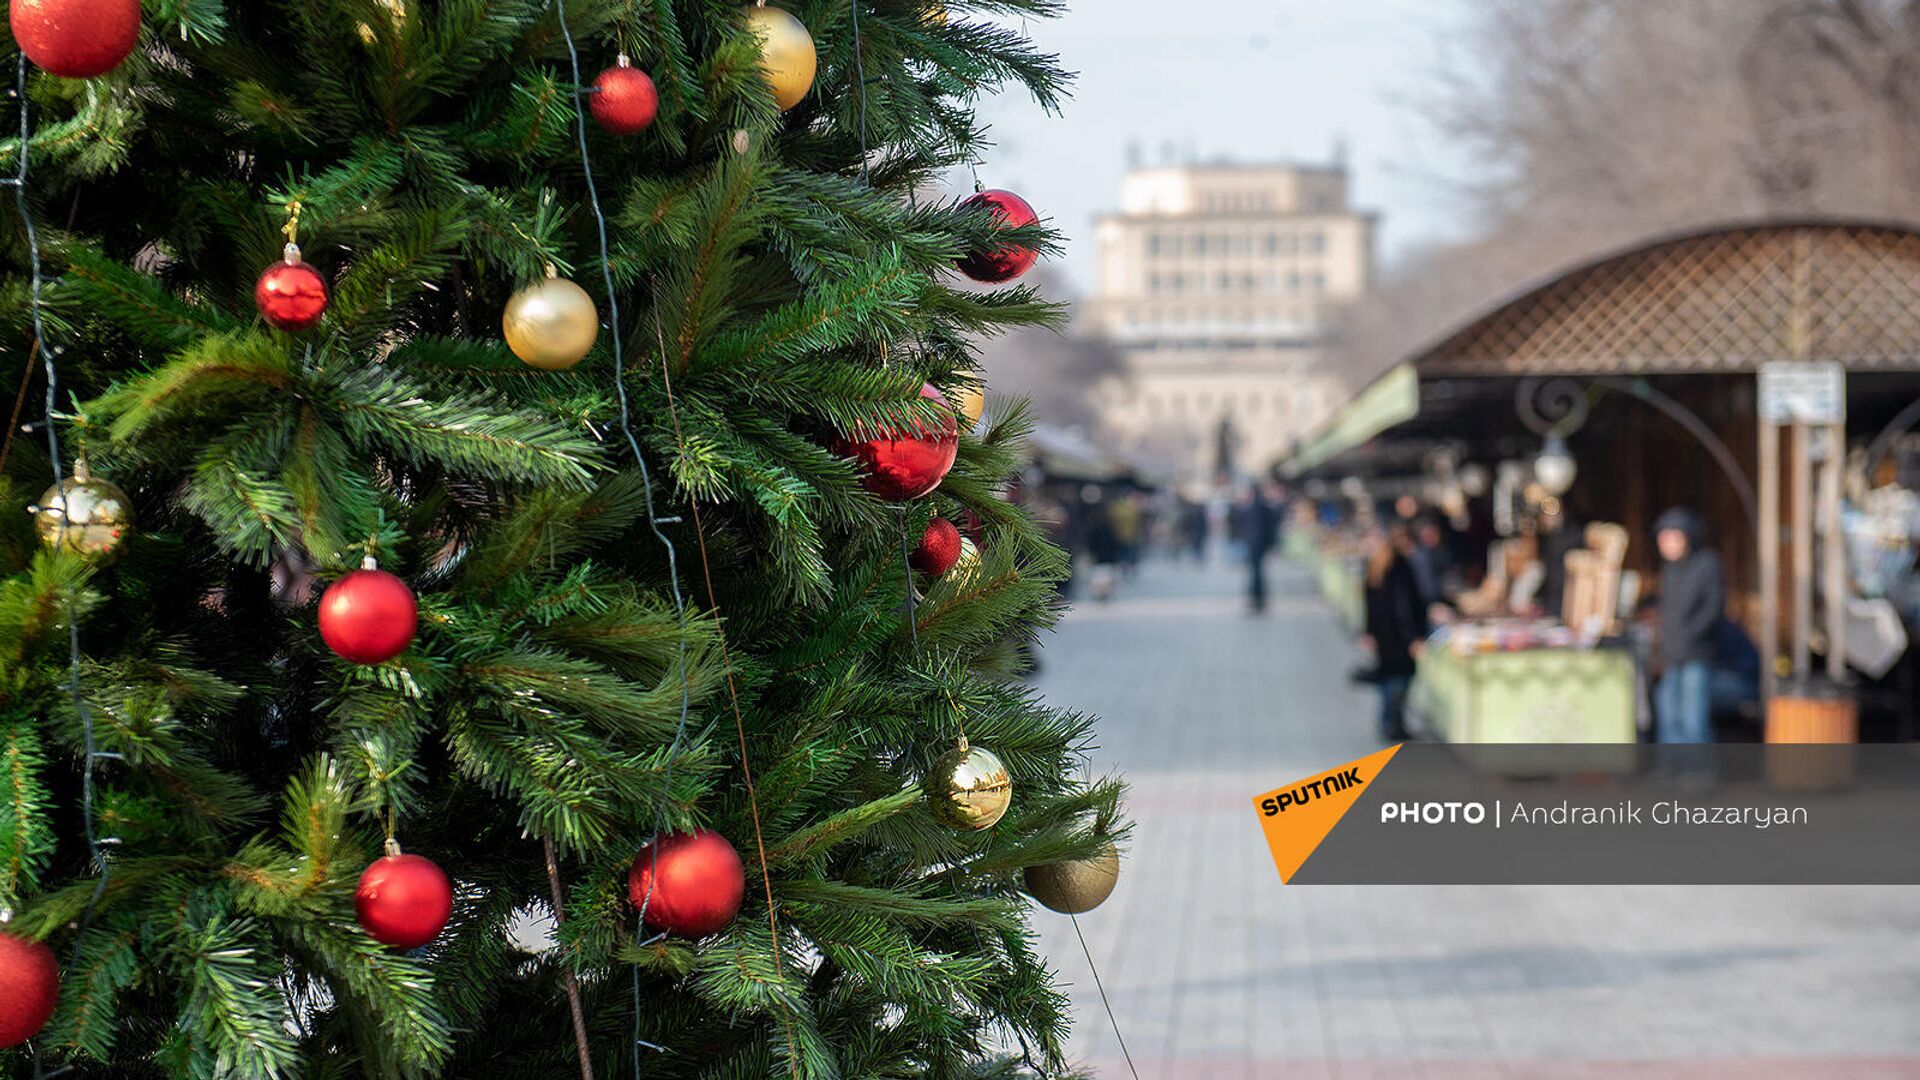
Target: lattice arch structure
[{"x": 1718, "y": 301}]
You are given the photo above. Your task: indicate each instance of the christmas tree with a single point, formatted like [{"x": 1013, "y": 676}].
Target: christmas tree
[{"x": 573, "y": 613}]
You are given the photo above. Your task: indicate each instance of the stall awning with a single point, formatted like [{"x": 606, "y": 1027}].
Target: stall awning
[
  {"x": 1066, "y": 455},
  {"x": 1394, "y": 398}
]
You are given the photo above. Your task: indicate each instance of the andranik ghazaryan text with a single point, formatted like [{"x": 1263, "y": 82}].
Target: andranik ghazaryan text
[{"x": 1665, "y": 812}]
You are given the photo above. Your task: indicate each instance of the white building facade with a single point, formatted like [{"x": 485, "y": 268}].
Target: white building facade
[{"x": 1217, "y": 284}]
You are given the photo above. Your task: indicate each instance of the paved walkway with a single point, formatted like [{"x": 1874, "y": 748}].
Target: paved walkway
[{"x": 1216, "y": 970}]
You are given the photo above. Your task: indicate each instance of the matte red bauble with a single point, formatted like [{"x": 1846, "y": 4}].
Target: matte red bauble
[
  {"x": 697, "y": 883},
  {"x": 29, "y": 988},
  {"x": 905, "y": 466},
  {"x": 624, "y": 100},
  {"x": 939, "y": 548},
  {"x": 291, "y": 294},
  {"x": 1004, "y": 262},
  {"x": 403, "y": 900},
  {"x": 77, "y": 39},
  {"x": 369, "y": 616}
]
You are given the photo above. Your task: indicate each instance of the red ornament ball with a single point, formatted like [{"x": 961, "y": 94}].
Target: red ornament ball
[
  {"x": 368, "y": 616},
  {"x": 624, "y": 100},
  {"x": 403, "y": 900},
  {"x": 76, "y": 39},
  {"x": 939, "y": 548},
  {"x": 291, "y": 294},
  {"x": 1002, "y": 263},
  {"x": 907, "y": 465},
  {"x": 29, "y": 988},
  {"x": 697, "y": 882}
]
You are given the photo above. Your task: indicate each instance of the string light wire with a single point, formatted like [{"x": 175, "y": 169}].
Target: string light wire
[
  {"x": 96, "y": 846},
  {"x": 655, "y": 521},
  {"x": 654, "y": 518}
]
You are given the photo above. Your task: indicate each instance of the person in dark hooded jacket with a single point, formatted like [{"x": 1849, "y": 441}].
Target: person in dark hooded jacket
[{"x": 1692, "y": 605}]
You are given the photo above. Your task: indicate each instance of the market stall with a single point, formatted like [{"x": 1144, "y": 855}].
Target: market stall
[{"x": 1731, "y": 370}]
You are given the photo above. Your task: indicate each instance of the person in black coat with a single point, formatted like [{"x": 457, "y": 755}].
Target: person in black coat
[
  {"x": 1262, "y": 526},
  {"x": 1396, "y": 626},
  {"x": 1692, "y": 606}
]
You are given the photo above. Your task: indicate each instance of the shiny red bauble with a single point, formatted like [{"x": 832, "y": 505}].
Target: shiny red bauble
[
  {"x": 368, "y": 616},
  {"x": 403, "y": 901},
  {"x": 77, "y": 39},
  {"x": 938, "y": 549},
  {"x": 290, "y": 294},
  {"x": 1003, "y": 262},
  {"x": 697, "y": 882},
  {"x": 907, "y": 465},
  {"x": 29, "y": 988},
  {"x": 624, "y": 100}
]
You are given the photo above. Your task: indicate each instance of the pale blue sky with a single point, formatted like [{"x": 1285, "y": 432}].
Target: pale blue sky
[{"x": 1247, "y": 79}]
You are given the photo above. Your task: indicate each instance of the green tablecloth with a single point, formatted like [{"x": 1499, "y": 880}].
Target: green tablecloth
[
  {"x": 1527, "y": 696},
  {"x": 1299, "y": 544}
]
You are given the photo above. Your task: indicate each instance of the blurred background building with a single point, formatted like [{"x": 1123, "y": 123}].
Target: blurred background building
[{"x": 1217, "y": 285}]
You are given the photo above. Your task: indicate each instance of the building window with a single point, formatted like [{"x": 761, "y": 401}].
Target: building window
[
  {"x": 1316, "y": 243},
  {"x": 1199, "y": 243},
  {"x": 1153, "y": 283},
  {"x": 1290, "y": 244},
  {"x": 1272, "y": 243},
  {"x": 1293, "y": 282},
  {"x": 1153, "y": 244},
  {"x": 1317, "y": 283}
]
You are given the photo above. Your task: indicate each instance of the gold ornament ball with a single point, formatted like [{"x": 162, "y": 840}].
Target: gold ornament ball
[
  {"x": 551, "y": 324},
  {"x": 85, "y": 516},
  {"x": 1077, "y": 885},
  {"x": 786, "y": 53},
  {"x": 969, "y": 788},
  {"x": 968, "y": 563},
  {"x": 971, "y": 400}
]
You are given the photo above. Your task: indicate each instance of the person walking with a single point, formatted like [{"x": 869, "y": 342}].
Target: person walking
[
  {"x": 1103, "y": 547},
  {"x": 1692, "y": 604},
  {"x": 1260, "y": 526},
  {"x": 1396, "y": 625}
]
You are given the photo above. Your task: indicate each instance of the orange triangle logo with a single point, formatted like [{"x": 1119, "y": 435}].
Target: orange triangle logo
[{"x": 1297, "y": 817}]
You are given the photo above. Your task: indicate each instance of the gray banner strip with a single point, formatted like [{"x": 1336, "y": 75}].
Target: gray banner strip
[{"x": 1610, "y": 814}]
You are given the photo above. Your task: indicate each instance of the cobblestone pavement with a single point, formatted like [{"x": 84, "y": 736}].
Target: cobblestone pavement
[{"x": 1215, "y": 970}]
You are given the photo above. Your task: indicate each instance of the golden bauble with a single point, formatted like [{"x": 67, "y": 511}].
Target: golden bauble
[
  {"x": 786, "y": 54},
  {"x": 1077, "y": 885},
  {"x": 971, "y": 400},
  {"x": 551, "y": 324},
  {"x": 84, "y": 515},
  {"x": 969, "y": 788},
  {"x": 967, "y": 564}
]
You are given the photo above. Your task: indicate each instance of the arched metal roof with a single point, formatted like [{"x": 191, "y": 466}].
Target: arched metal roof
[
  {"x": 1724, "y": 299},
  {"x": 1718, "y": 300}
]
